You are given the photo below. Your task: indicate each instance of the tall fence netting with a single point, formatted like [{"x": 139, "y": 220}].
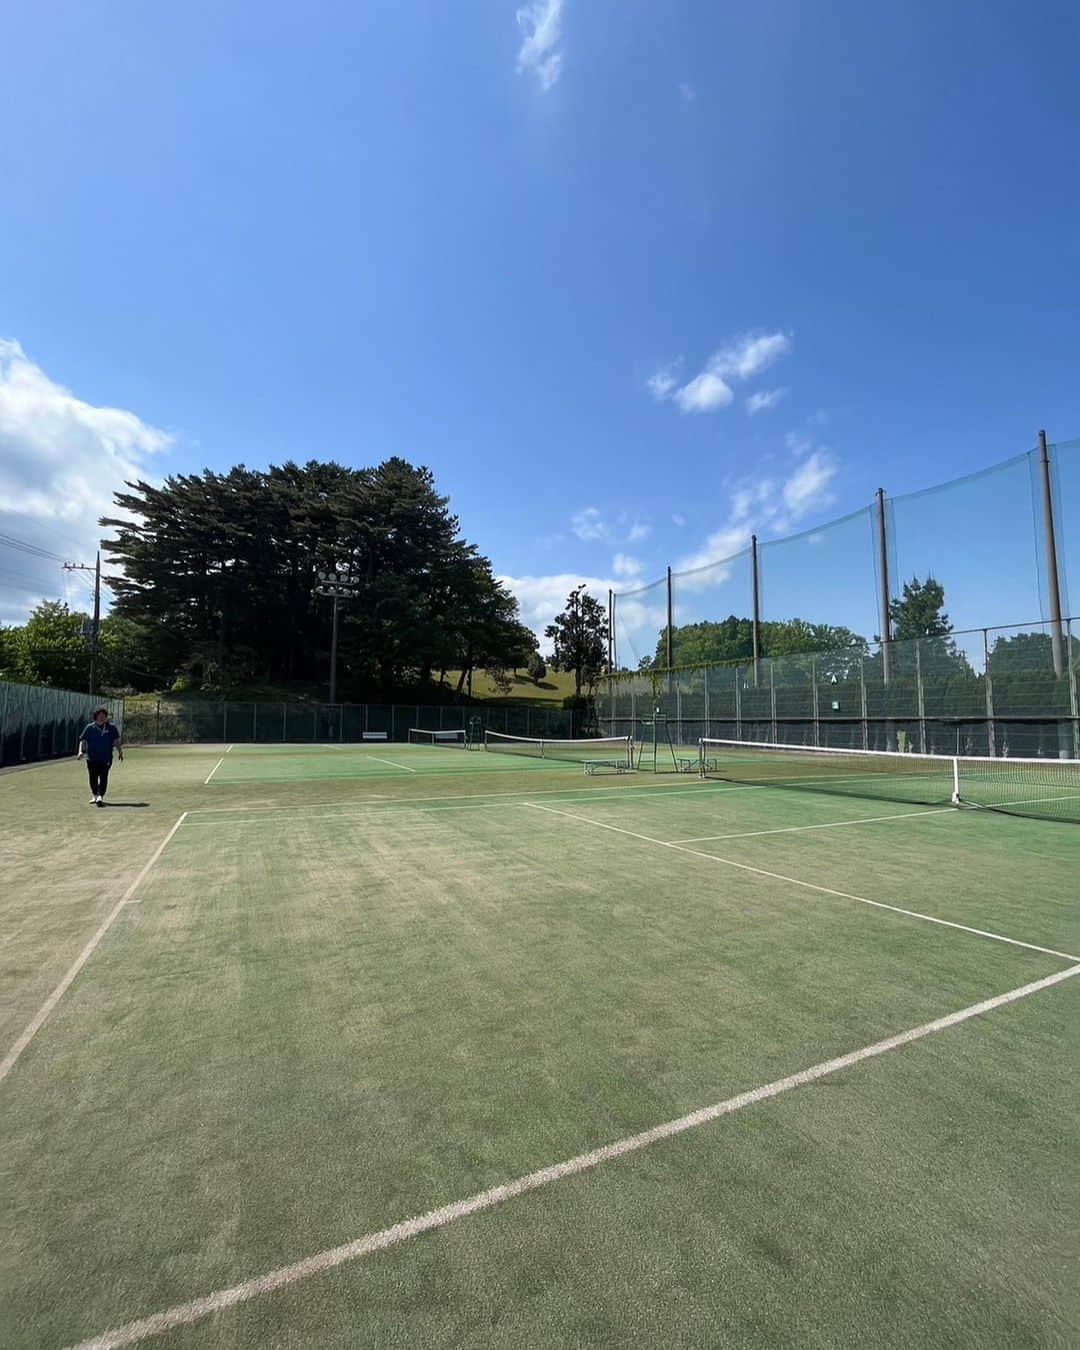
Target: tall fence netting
[{"x": 39, "y": 722}]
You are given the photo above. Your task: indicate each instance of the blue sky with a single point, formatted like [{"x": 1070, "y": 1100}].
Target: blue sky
[{"x": 632, "y": 277}]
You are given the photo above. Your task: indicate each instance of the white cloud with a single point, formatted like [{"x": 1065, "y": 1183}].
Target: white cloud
[
  {"x": 61, "y": 459},
  {"x": 749, "y": 354},
  {"x": 808, "y": 486},
  {"x": 624, "y": 566},
  {"x": 676, "y": 519},
  {"x": 704, "y": 393},
  {"x": 638, "y": 531},
  {"x": 541, "y": 598},
  {"x": 663, "y": 382},
  {"x": 762, "y": 399},
  {"x": 797, "y": 443},
  {"x": 541, "y": 24},
  {"x": 740, "y": 359},
  {"x": 688, "y": 92},
  {"x": 589, "y": 524}
]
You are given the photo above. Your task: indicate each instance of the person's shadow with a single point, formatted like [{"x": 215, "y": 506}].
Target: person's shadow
[{"x": 125, "y": 803}]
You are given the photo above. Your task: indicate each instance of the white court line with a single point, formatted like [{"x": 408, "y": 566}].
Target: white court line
[
  {"x": 810, "y": 885},
  {"x": 185, "y": 1314},
  {"x": 829, "y": 825},
  {"x": 42, "y": 1015},
  {"x": 228, "y": 748},
  {"x": 392, "y": 762},
  {"x": 214, "y": 770},
  {"x": 571, "y": 794}
]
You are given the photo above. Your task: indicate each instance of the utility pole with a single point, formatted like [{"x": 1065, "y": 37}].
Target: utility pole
[
  {"x": 339, "y": 585},
  {"x": 96, "y": 625}
]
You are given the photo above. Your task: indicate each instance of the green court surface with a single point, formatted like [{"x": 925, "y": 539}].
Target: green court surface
[{"x": 370, "y": 1046}]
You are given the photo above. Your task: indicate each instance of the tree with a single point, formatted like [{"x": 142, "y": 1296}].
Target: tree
[
  {"x": 731, "y": 640},
  {"x": 50, "y": 647},
  {"x": 918, "y": 613},
  {"x": 580, "y": 635},
  {"x": 219, "y": 570},
  {"x": 536, "y": 668}
]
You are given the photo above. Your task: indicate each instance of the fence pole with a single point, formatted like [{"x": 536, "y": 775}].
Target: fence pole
[
  {"x": 755, "y": 599},
  {"x": 991, "y": 734},
  {"x": 772, "y": 699},
  {"x": 157, "y": 721},
  {"x": 920, "y": 696},
  {"x": 862, "y": 703},
  {"x": 1052, "y": 587},
  {"x": 815, "y": 706},
  {"x": 1071, "y": 663},
  {"x": 224, "y": 720},
  {"x": 708, "y": 729},
  {"x": 254, "y": 721},
  {"x": 22, "y": 732},
  {"x": 3, "y": 722},
  {"x": 883, "y": 569},
  {"x": 738, "y": 703}
]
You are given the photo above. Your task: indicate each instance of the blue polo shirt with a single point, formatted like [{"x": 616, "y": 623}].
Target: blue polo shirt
[{"x": 100, "y": 742}]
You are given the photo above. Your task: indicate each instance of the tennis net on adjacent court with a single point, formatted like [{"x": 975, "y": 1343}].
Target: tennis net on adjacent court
[
  {"x": 1048, "y": 788},
  {"x": 617, "y": 750},
  {"x": 455, "y": 737}
]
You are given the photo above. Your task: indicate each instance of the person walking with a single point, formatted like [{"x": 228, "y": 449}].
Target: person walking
[{"x": 96, "y": 745}]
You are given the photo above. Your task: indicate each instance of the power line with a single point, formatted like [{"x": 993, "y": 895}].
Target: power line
[{"x": 9, "y": 541}]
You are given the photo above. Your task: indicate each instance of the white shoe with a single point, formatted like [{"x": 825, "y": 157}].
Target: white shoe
[
  {"x": 101, "y": 801},
  {"x": 93, "y": 801}
]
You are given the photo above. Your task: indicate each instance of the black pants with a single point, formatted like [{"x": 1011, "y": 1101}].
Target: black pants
[{"x": 99, "y": 778}]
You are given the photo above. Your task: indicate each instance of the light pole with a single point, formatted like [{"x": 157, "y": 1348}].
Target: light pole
[{"x": 339, "y": 585}]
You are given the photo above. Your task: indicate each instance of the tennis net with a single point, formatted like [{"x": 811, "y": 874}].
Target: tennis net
[
  {"x": 1046, "y": 788},
  {"x": 616, "y": 750},
  {"x": 421, "y": 736}
]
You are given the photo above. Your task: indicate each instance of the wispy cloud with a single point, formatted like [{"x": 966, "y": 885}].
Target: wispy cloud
[
  {"x": 762, "y": 399},
  {"x": 774, "y": 504},
  {"x": 540, "y": 598},
  {"x": 676, "y": 519},
  {"x": 540, "y": 54},
  {"x": 662, "y": 383},
  {"x": 61, "y": 459},
  {"x": 589, "y": 524},
  {"x": 623, "y": 565},
  {"x": 741, "y": 359},
  {"x": 638, "y": 531}
]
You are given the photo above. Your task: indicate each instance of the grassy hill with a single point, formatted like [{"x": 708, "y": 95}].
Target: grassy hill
[{"x": 555, "y": 686}]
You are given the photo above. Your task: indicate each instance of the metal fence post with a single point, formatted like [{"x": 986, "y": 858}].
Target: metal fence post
[
  {"x": 1070, "y": 662},
  {"x": 920, "y": 697},
  {"x": 815, "y": 706},
  {"x": 738, "y": 703},
  {"x": 254, "y": 721},
  {"x": 988, "y": 684},
  {"x": 284, "y": 722},
  {"x": 157, "y": 721},
  {"x": 772, "y": 699},
  {"x": 3, "y": 721},
  {"x": 862, "y": 703}
]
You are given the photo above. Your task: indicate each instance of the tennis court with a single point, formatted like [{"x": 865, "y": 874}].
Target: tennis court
[{"x": 406, "y": 1044}]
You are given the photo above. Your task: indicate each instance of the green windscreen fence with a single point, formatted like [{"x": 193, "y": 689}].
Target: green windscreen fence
[
  {"x": 988, "y": 691},
  {"x": 232, "y": 721},
  {"x": 38, "y": 722}
]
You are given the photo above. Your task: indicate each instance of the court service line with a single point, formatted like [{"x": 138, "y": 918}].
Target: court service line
[
  {"x": 42, "y": 1015},
  {"x": 184, "y": 1314},
  {"x": 392, "y": 762},
  {"x": 214, "y": 770},
  {"x": 829, "y": 825},
  {"x": 809, "y": 885},
  {"x": 572, "y": 794}
]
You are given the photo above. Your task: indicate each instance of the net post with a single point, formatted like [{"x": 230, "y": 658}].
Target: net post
[
  {"x": 956, "y": 780},
  {"x": 988, "y": 682},
  {"x": 1052, "y": 586},
  {"x": 755, "y": 598}
]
